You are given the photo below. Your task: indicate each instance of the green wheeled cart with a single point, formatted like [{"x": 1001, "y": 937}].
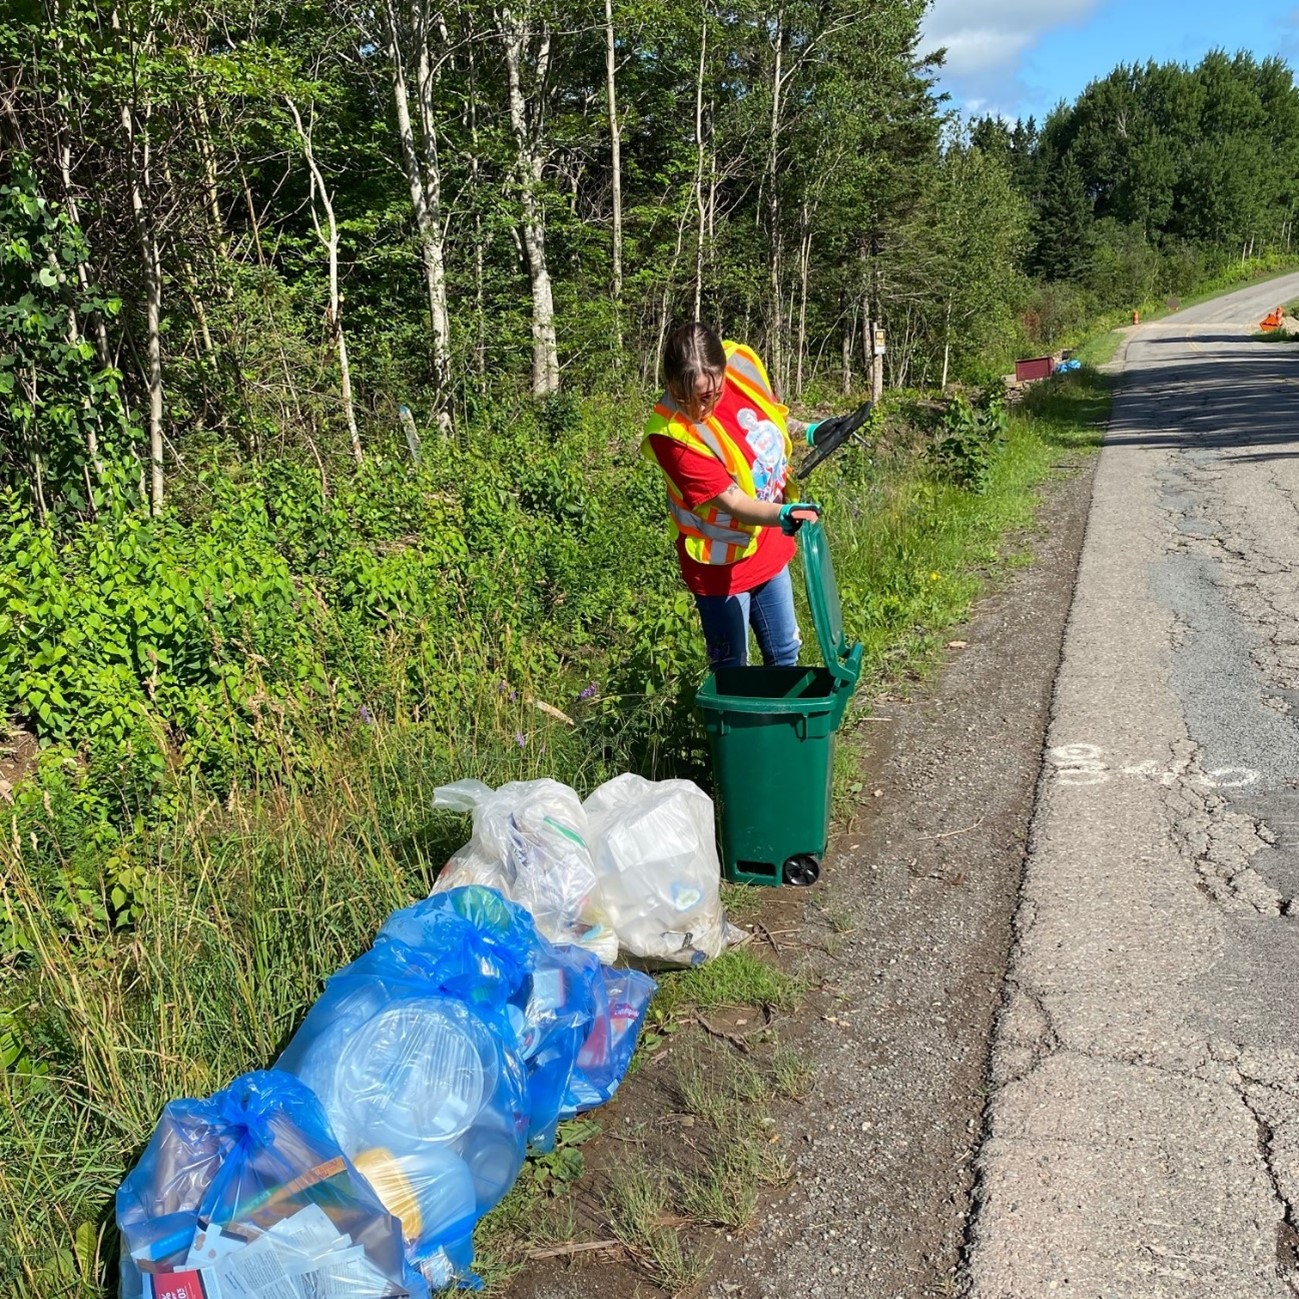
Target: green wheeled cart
[{"x": 772, "y": 735}]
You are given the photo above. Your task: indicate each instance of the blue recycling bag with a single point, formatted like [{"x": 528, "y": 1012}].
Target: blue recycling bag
[
  {"x": 622, "y": 998},
  {"x": 576, "y": 1020},
  {"x": 399, "y": 1113},
  {"x": 417, "y": 1065},
  {"x": 253, "y": 1178}
]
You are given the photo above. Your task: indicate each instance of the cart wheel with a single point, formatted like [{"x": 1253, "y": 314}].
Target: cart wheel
[{"x": 802, "y": 869}]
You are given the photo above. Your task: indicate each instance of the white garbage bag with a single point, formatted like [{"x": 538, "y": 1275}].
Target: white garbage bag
[
  {"x": 658, "y": 876},
  {"x": 530, "y": 843}
]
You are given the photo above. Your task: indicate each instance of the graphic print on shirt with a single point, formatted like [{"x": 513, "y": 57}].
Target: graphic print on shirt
[{"x": 768, "y": 446}]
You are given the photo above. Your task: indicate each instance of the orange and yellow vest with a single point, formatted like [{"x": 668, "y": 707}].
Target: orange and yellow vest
[{"x": 711, "y": 535}]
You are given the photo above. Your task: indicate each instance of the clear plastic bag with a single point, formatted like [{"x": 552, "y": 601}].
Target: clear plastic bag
[
  {"x": 658, "y": 875},
  {"x": 251, "y": 1182},
  {"x": 530, "y": 843}
]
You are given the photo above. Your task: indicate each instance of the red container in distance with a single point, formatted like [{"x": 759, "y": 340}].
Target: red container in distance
[{"x": 1042, "y": 367}]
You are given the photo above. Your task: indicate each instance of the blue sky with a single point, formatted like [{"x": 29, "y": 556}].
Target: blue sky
[{"x": 1020, "y": 57}]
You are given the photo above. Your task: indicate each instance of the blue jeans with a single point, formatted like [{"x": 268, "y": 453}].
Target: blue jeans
[{"x": 769, "y": 608}]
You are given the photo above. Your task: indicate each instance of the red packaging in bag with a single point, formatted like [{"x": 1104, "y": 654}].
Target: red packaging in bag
[{"x": 180, "y": 1285}]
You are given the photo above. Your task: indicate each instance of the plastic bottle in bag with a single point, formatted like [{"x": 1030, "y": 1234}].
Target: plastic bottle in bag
[
  {"x": 658, "y": 874},
  {"x": 530, "y": 843}
]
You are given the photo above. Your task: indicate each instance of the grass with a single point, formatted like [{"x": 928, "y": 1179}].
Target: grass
[
  {"x": 792, "y": 1075},
  {"x": 736, "y": 978},
  {"x": 638, "y": 1208},
  {"x": 1099, "y": 349},
  {"x": 743, "y": 902},
  {"x": 714, "y": 1177}
]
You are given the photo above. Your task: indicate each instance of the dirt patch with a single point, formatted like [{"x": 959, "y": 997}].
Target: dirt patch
[
  {"x": 18, "y": 753},
  {"x": 900, "y": 953}
]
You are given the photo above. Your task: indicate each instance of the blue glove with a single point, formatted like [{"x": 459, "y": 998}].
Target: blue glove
[
  {"x": 809, "y": 432},
  {"x": 797, "y": 513}
]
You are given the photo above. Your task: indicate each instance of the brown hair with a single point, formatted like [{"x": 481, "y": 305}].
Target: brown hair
[{"x": 691, "y": 351}]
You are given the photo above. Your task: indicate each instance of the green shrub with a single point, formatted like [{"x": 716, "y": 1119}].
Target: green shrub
[{"x": 970, "y": 441}]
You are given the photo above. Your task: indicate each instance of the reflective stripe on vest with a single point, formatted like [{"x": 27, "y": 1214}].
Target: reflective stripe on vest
[{"x": 711, "y": 535}]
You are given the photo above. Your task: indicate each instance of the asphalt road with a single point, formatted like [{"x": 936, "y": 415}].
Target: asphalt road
[{"x": 1142, "y": 1133}]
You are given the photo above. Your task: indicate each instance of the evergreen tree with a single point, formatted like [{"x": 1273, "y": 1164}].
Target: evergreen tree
[{"x": 1065, "y": 235}]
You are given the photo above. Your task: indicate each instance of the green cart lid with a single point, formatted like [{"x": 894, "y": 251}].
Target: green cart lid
[{"x": 841, "y": 657}]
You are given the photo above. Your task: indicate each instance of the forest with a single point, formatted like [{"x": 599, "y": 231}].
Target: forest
[
  {"x": 244, "y": 232},
  {"x": 327, "y": 333}
]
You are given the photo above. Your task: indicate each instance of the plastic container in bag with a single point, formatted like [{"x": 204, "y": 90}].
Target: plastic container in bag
[
  {"x": 575, "y": 1020},
  {"x": 405, "y": 1066},
  {"x": 251, "y": 1183},
  {"x": 658, "y": 876},
  {"x": 530, "y": 844}
]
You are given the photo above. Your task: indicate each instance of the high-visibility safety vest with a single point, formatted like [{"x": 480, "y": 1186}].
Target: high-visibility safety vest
[{"x": 711, "y": 535}]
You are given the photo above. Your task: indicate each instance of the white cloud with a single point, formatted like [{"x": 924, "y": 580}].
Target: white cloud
[
  {"x": 987, "y": 39},
  {"x": 985, "y": 35}
]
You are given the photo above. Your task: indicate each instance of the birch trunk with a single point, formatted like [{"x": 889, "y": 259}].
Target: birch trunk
[
  {"x": 804, "y": 265},
  {"x": 480, "y": 290},
  {"x": 947, "y": 344},
  {"x": 207, "y": 155},
  {"x": 435, "y": 258},
  {"x": 615, "y": 159},
  {"x": 849, "y": 329},
  {"x": 334, "y": 311},
  {"x": 423, "y": 178},
  {"x": 773, "y": 208},
  {"x": 700, "y": 202},
  {"x": 665, "y": 303},
  {"x": 516, "y": 35},
  {"x": 83, "y": 279},
  {"x": 138, "y": 169}
]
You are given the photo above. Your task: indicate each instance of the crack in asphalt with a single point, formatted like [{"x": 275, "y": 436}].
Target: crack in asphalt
[
  {"x": 1220, "y": 843},
  {"x": 1287, "y": 1237}
]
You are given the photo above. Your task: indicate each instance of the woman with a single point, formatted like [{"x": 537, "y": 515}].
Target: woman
[{"x": 722, "y": 440}]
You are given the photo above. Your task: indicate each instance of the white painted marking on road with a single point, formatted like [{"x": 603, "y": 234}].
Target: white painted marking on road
[
  {"x": 1231, "y": 777},
  {"x": 1086, "y": 764}
]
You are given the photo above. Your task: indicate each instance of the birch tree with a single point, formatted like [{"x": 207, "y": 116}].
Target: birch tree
[
  {"x": 407, "y": 44},
  {"x": 135, "y": 120},
  {"x": 615, "y": 164},
  {"x": 526, "y": 41},
  {"x": 328, "y": 237}
]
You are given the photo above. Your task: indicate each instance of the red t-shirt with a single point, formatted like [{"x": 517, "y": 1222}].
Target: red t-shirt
[{"x": 700, "y": 478}]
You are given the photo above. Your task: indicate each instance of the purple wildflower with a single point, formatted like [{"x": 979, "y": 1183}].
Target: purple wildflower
[
  {"x": 589, "y": 692},
  {"x": 367, "y": 717},
  {"x": 520, "y": 739}
]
